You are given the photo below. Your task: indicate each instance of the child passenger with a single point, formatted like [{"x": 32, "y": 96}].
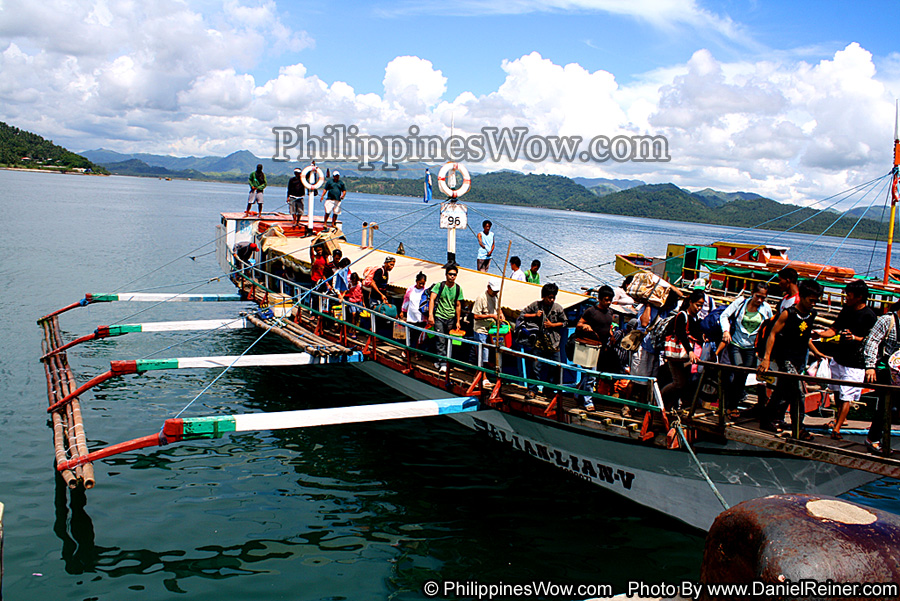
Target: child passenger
[{"x": 353, "y": 295}]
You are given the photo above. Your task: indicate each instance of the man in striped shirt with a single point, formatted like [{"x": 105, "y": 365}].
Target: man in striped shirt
[{"x": 881, "y": 343}]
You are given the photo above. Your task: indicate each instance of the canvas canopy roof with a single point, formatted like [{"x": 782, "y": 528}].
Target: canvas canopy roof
[{"x": 516, "y": 295}]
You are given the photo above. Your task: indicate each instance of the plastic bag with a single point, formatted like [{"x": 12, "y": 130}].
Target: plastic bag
[{"x": 820, "y": 369}]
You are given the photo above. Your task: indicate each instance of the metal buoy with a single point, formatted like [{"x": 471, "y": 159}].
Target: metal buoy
[{"x": 788, "y": 538}]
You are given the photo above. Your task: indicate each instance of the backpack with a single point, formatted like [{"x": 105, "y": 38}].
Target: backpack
[
  {"x": 658, "y": 331},
  {"x": 424, "y": 302},
  {"x": 710, "y": 325},
  {"x": 369, "y": 276}
]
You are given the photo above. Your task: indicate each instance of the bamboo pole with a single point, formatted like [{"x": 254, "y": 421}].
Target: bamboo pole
[
  {"x": 500, "y": 305},
  {"x": 58, "y": 428},
  {"x": 289, "y": 336},
  {"x": 62, "y": 387},
  {"x": 76, "y": 423}
]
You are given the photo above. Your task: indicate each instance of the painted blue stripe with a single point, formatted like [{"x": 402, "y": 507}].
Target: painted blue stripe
[
  {"x": 456, "y": 405},
  {"x": 850, "y": 431}
]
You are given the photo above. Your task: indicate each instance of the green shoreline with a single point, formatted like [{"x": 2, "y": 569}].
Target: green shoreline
[{"x": 648, "y": 202}]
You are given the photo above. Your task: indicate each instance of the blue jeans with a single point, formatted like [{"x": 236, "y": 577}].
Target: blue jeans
[
  {"x": 443, "y": 326},
  {"x": 537, "y": 368},
  {"x": 485, "y": 351},
  {"x": 740, "y": 357}
]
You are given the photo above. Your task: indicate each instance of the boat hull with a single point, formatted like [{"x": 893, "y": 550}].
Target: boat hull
[
  {"x": 665, "y": 480},
  {"x": 662, "y": 479}
]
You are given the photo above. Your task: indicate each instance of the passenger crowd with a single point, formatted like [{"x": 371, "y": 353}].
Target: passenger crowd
[
  {"x": 664, "y": 339},
  {"x": 748, "y": 333}
]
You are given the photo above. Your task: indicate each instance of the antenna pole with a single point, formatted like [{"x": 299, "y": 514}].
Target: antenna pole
[{"x": 895, "y": 195}]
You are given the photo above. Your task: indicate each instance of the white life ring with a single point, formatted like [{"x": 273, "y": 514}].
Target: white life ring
[
  {"x": 442, "y": 180},
  {"x": 320, "y": 177}
]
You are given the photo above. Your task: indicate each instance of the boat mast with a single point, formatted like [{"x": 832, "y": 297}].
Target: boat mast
[{"x": 894, "y": 197}]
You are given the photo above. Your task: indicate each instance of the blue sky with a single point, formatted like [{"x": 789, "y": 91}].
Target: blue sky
[{"x": 793, "y": 100}]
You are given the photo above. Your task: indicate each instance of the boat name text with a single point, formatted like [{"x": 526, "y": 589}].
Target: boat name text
[{"x": 584, "y": 468}]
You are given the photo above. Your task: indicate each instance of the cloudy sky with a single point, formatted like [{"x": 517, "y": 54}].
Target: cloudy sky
[{"x": 792, "y": 100}]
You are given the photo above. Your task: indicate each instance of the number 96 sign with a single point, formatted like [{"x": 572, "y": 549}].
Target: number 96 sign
[{"x": 453, "y": 216}]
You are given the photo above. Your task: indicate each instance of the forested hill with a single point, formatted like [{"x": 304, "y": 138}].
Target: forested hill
[
  {"x": 667, "y": 201},
  {"x": 503, "y": 187},
  {"x": 20, "y": 148},
  {"x": 656, "y": 201}
]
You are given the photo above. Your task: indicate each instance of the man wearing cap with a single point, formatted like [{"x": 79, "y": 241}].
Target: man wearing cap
[
  {"x": 295, "y": 193},
  {"x": 243, "y": 252},
  {"x": 485, "y": 313},
  {"x": 335, "y": 191}
]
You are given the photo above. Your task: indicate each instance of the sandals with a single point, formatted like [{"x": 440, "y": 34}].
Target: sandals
[
  {"x": 733, "y": 414},
  {"x": 836, "y": 435},
  {"x": 806, "y": 435}
]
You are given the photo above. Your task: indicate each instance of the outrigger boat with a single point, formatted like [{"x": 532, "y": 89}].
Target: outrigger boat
[
  {"x": 688, "y": 465},
  {"x": 731, "y": 267}
]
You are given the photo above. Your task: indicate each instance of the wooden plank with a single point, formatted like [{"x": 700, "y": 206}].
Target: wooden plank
[{"x": 844, "y": 457}]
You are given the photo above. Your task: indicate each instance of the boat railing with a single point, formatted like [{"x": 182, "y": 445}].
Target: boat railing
[
  {"x": 319, "y": 304},
  {"x": 887, "y": 390}
]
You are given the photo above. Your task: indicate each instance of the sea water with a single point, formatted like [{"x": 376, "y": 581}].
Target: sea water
[{"x": 358, "y": 512}]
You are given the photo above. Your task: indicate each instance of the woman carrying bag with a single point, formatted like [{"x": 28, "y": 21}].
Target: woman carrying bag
[
  {"x": 740, "y": 324},
  {"x": 679, "y": 348}
]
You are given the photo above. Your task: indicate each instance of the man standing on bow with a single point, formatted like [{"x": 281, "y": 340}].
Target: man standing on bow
[
  {"x": 257, "y": 185},
  {"x": 295, "y": 193},
  {"x": 335, "y": 191}
]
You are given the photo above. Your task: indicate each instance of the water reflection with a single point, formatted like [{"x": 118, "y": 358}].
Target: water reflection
[{"x": 77, "y": 533}]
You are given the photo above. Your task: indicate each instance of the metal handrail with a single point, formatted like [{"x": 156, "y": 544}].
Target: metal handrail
[
  {"x": 889, "y": 391},
  {"x": 307, "y": 293}
]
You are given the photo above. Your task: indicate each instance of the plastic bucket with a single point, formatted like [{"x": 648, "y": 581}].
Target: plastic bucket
[
  {"x": 505, "y": 331},
  {"x": 586, "y": 355}
]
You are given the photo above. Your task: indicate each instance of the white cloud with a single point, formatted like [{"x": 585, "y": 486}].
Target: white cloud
[
  {"x": 159, "y": 76},
  {"x": 662, "y": 14},
  {"x": 413, "y": 84}
]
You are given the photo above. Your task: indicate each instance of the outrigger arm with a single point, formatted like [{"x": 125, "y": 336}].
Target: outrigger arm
[
  {"x": 155, "y": 297},
  {"x": 157, "y": 326},
  {"x": 178, "y": 429},
  {"x": 121, "y": 368}
]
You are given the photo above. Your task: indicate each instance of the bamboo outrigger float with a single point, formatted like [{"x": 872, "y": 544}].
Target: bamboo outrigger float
[{"x": 687, "y": 465}]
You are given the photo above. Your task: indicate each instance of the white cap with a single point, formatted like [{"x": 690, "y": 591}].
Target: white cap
[
  {"x": 494, "y": 284},
  {"x": 699, "y": 284},
  {"x": 335, "y": 173},
  {"x": 298, "y": 170}
]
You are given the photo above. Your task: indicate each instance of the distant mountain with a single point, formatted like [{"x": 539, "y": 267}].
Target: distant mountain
[
  {"x": 239, "y": 164},
  {"x": 616, "y": 184},
  {"x": 877, "y": 213},
  {"x": 135, "y": 167},
  {"x": 714, "y": 198},
  {"x": 659, "y": 201},
  {"x": 667, "y": 201},
  {"x": 499, "y": 187},
  {"x": 20, "y": 148}
]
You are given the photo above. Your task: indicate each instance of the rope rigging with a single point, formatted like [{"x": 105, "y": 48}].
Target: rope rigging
[{"x": 543, "y": 248}]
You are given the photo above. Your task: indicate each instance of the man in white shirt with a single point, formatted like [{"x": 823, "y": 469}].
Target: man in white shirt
[
  {"x": 515, "y": 263},
  {"x": 485, "y": 313}
]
